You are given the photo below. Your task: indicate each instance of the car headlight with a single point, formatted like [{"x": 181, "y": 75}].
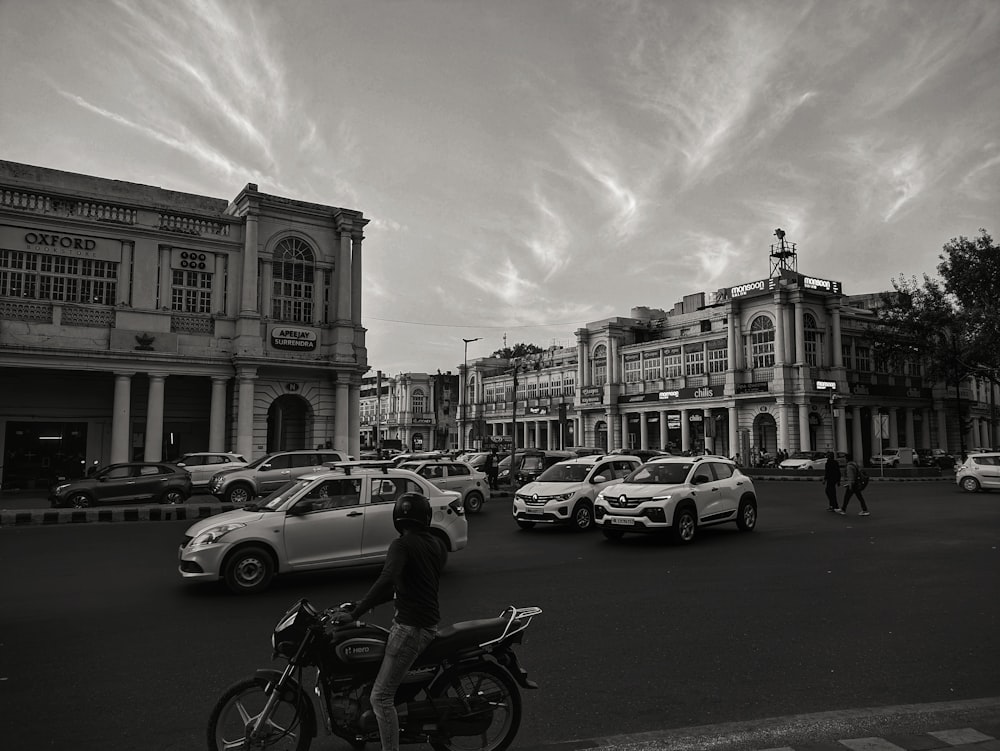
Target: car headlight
[
  {"x": 661, "y": 498},
  {"x": 562, "y": 497},
  {"x": 213, "y": 534},
  {"x": 61, "y": 488}
]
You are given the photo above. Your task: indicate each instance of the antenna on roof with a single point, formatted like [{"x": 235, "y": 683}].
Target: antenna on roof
[{"x": 783, "y": 255}]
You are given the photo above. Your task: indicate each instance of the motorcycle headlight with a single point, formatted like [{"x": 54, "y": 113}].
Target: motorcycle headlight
[{"x": 213, "y": 534}]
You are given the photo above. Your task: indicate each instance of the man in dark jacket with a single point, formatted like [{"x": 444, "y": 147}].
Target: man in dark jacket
[
  {"x": 411, "y": 573},
  {"x": 831, "y": 476}
]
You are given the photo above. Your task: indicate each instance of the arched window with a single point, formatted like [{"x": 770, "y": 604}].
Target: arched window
[
  {"x": 761, "y": 342},
  {"x": 293, "y": 273},
  {"x": 600, "y": 364},
  {"x": 813, "y": 339},
  {"x": 418, "y": 402}
]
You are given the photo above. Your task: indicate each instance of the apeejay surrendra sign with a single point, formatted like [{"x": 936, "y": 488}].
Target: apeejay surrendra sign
[{"x": 293, "y": 339}]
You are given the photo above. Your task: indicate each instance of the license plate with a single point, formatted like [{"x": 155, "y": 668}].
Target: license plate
[{"x": 622, "y": 522}]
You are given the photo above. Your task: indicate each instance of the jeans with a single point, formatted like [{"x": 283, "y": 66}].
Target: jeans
[
  {"x": 847, "y": 497},
  {"x": 831, "y": 494},
  {"x": 404, "y": 645}
]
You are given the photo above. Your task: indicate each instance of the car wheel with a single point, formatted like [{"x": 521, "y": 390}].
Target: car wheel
[
  {"x": 248, "y": 570},
  {"x": 525, "y": 525},
  {"x": 173, "y": 496},
  {"x": 685, "y": 524},
  {"x": 583, "y": 517},
  {"x": 746, "y": 516},
  {"x": 239, "y": 494},
  {"x": 79, "y": 500},
  {"x": 613, "y": 534},
  {"x": 474, "y": 502},
  {"x": 970, "y": 484}
]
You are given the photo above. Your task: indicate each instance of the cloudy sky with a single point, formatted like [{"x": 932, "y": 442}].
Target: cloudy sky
[{"x": 532, "y": 165}]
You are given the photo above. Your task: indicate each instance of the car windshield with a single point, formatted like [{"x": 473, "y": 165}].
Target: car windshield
[
  {"x": 278, "y": 500},
  {"x": 800, "y": 455},
  {"x": 532, "y": 462},
  {"x": 660, "y": 473},
  {"x": 565, "y": 473},
  {"x": 890, "y": 452},
  {"x": 257, "y": 462}
]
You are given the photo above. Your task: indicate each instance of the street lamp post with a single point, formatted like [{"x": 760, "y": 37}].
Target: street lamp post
[{"x": 464, "y": 396}]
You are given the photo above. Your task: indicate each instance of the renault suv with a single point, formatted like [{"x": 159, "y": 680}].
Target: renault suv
[
  {"x": 323, "y": 520},
  {"x": 676, "y": 496},
  {"x": 565, "y": 492}
]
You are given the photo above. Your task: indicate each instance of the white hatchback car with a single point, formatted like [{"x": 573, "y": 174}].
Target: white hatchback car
[
  {"x": 677, "y": 495},
  {"x": 565, "y": 492},
  {"x": 457, "y": 476},
  {"x": 330, "y": 519},
  {"x": 979, "y": 472}
]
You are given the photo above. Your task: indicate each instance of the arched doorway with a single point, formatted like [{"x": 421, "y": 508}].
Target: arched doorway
[
  {"x": 288, "y": 420},
  {"x": 601, "y": 435},
  {"x": 765, "y": 433}
]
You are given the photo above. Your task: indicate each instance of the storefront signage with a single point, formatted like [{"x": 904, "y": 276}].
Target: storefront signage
[
  {"x": 702, "y": 392},
  {"x": 591, "y": 395},
  {"x": 632, "y": 357},
  {"x": 908, "y": 392},
  {"x": 751, "y": 388},
  {"x": 293, "y": 339},
  {"x": 810, "y": 282},
  {"x": 538, "y": 410},
  {"x": 759, "y": 287},
  {"x": 422, "y": 421},
  {"x": 821, "y": 385},
  {"x": 59, "y": 243}
]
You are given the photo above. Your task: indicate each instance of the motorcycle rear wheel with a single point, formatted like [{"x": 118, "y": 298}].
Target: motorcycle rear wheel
[
  {"x": 487, "y": 692},
  {"x": 242, "y": 703}
]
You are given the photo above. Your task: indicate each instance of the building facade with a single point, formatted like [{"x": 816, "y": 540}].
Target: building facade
[
  {"x": 142, "y": 323},
  {"x": 777, "y": 363},
  {"x": 410, "y": 411}
]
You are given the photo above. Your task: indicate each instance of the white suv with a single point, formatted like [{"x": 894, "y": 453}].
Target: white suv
[
  {"x": 677, "y": 495},
  {"x": 565, "y": 492},
  {"x": 323, "y": 520}
]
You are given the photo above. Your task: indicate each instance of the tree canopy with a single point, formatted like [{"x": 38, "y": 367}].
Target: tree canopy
[
  {"x": 950, "y": 324},
  {"x": 518, "y": 350}
]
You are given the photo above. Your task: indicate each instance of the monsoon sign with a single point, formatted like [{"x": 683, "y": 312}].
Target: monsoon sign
[{"x": 293, "y": 339}]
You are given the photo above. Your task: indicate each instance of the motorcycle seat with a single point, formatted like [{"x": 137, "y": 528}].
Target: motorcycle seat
[{"x": 461, "y": 636}]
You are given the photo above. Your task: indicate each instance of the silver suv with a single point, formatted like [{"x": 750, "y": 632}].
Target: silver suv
[
  {"x": 565, "y": 492},
  {"x": 269, "y": 473},
  {"x": 677, "y": 495}
]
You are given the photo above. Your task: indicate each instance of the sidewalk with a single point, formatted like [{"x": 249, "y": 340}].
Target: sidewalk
[{"x": 960, "y": 726}]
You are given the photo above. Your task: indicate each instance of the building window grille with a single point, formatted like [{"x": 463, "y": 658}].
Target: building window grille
[
  {"x": 864, "y": 356},
  {"x": 600, "y": 361},
  {"x": 532, "y": 390},
  {"x": 40, "y": 276},
  {"x": 813, "y": 340},
  {"x": 651, "y": 367},
  {"x": 418, "y": 402},
  {"x": 569, "y": 385},
  {"x": 846, "y": 353},
  {"x": 672, "y": 362},
  {"x": 293, "y": 274},
  {"x": 718, "y": 356},
  {"x": 191, "y": 291},
  {"x": 761, "y": 342},
  {"x": 694, "y": 360},
  {"x": 633, "y": 370}
]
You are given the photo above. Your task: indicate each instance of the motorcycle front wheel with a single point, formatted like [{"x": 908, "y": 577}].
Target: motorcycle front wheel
[
  {"x": 240, "y": 706},
  {"x": 487, "y": 709}
]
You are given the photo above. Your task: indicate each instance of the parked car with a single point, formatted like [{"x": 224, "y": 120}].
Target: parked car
[
  {"x": 565, "y": 492},
  {"x": 805, "y": 460},
  {"x": 677, "y": 495},
  {"x": 203, "y": 465},
  {"x": 269, "y": 473},
  {"x": 894, "y": 457},
  {"x": 322, "y": 520},
  {"x": 470, "y": 483},
  {"x": 934, "y": 458},
  {"x": 475, "y": 459},
  {"x": 643, "y": 454},
  {"x": 161, "y": 482},
  {"x": 979, "y": 472}
]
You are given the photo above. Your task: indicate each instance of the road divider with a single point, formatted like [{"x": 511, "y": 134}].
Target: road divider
[{"x": 179, "y": 512}]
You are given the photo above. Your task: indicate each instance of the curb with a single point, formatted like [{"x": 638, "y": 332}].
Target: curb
[
  {"x": 42, "y": 517},
  {"x": 873, "y": 478}
]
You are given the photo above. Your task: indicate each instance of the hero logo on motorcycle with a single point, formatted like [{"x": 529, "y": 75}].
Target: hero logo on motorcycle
[{"x": 463, "y": 692}]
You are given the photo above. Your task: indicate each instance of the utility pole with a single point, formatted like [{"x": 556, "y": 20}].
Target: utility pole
[{"x": 464, "y": 395}]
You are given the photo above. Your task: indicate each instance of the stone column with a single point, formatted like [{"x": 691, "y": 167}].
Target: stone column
[
  {"x": 804, "y": 443},
  {"x": 217, "y": 415},
  {"x": 248, "y": 296},
  {"x": 121, "y": 424},
  {"x": 841, "y": 418},
  {"x": 664, "y": 438},
  {"x": 911, "y": 439},
  {"x": 858, "y": 448},
  {"x": 685, "y": 431},
  {"x": 219, "y": 287},
  {"x": 612, "y": 362},
  {"x": 244, "y": 412},
  {"x": 643, "y": 432},
  {"x": 894, "y": 427},
  {"x": 706, "y": 418},
  {"x": 154, "y": 418},
  {"x": 782, "y": 409},
  {"x": 353, "y": 445},
  {"x": 734, "y": 432},
  {"x": 800, "y": 333},
  {"x": 123, "y": 288},
  {"x": 925, "y": 428},
  {"x": 623, "y": 420},
  {"x": 166, "y": 279},
  {"x": 267, "y": 288},
  {"x": 733, "y": 338},
  {"x": 942, "y": 428},
  {"x": 357, "y": 282},
  {"x": 342, "y": 417},
  {"x": 343, "y": 276},
  {"x": 836, "y": 340},
  {"x": 779, "y": 330}
]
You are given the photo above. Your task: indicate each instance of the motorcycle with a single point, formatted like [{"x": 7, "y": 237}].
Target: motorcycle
[{"x": 460, "y": 695}]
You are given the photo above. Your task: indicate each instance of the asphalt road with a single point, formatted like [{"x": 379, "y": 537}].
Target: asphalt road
[{"x": 102, "y": 646}]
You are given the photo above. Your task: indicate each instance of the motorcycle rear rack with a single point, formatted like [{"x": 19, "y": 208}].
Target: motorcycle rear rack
[{"x": 519, "y": 620}]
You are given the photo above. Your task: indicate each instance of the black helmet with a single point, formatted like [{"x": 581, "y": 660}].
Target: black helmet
[{"x": 412, "y": 511}]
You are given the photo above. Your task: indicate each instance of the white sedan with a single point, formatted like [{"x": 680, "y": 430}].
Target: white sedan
[{"x": 804, "y": 460}]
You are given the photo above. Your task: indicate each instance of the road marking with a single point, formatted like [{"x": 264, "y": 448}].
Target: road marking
[
  {"x": 870, "y": 744},
  {"x": 961, "y": 736}
]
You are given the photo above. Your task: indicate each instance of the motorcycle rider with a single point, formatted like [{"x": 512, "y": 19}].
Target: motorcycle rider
[{"x": 411, "y": 574}]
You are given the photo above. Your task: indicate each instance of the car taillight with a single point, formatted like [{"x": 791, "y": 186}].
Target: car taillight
[{"x": 457, "y": 507}]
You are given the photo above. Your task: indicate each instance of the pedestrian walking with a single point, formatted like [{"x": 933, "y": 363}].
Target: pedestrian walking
[
  {"x": 855, "y": 484},
  {"x": 491, "y": 467},
  {"x": 831, "y": 476}
]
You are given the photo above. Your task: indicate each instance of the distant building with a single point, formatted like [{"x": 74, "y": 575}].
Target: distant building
[
  {"x": 416, "y": 411},
  {"x": 138, "y": 322},
  {"x": 766, "y": 364}
]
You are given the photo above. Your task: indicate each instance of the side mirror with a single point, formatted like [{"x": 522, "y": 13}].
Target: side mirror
[
  {"x": 700, "y": 479},
  {"x": 300, "y": 508},
  {"x": 265, "y": 467},
  {"x": 599, "y": 479}
]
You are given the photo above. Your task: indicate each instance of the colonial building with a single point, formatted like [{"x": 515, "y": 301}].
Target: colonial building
[
  {"x": 137, "y": 322},
  {"x": 775, "y": 363},
  {"x": 411, "y": 411}
]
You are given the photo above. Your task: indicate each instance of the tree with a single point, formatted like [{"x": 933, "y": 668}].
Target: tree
[{"x": 518, "y": 350}]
